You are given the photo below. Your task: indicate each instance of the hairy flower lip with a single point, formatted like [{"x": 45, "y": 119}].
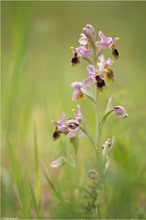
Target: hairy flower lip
[
  {"x": 72, "y": 123},
  {"x": 109, "y": 75},
  {"x": 100, "y": 83},
  {"x": 70, "y": 127},
  {"x": 115, "y": 52},
  {"x": 56, "y": 134},
  {"x": 63, "y": 129}
]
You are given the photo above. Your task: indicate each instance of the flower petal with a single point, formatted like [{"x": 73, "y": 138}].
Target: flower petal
[
  {"x": 104, "y": 42},
  {"x": 83, "y": 40},
  {"x": 88, "y": 81}
]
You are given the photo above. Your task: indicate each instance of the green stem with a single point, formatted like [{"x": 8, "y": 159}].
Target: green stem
[
  {"x": 100, "y": 164},
  {"x": 86, "y": 131},
  {"x": 98, "y": 132},
  {"x": 97, "y": 119},
  {"x": 88, "y": 60}
]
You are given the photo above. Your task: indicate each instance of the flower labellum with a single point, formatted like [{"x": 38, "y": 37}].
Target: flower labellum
[
  {"x": 70, "y": 127},
  {"x": 100, "y": 83},
  {"x": 75, "y": 60},
  {"x": 72, "y": 123},
  {"x": 61, "y": 127},
  {"x": 56, "y": 134},
  {"x": 115, "y": 52},
  {"x": 120, "y": 111},
  {"x": 109, "y": 76}
]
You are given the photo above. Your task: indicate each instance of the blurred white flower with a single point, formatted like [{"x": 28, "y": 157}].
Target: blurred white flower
[{"x": 58, "y": 162}]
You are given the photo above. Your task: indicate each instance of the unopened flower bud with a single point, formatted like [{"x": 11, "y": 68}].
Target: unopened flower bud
[
  {"x": 92, "y": 174},
  {"x": 91, "y": 28},
  {"x": 58, "y": 162},
  {"x": 107, "y": 144},
  {"x": 89, "y": 35},
  {"x": 106, "y": 147},
  {"x": 120, "y": 111}
]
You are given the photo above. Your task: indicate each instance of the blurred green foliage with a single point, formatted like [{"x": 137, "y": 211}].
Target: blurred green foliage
[{"x": 36, "y": 75}]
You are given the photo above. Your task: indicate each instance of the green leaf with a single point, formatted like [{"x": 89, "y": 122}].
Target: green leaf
[
  {"x": 105, "y": 117},
  {"x": 22, "y": 187},
  {"x": 109, "y": 104},
  {"x": 34, "y": 201},
  {"x": 52, "y": 185},
  {"x": 38, "y": 190},
  {"x": 88, "y": 94},
  {"x": 109, "y": 109}
]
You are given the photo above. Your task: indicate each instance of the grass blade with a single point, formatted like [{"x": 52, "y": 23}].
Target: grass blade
[
  {"x": 38, "y": 187},
  {"x": 35, "y": 203},
  {"x": 52, "y": 185}
]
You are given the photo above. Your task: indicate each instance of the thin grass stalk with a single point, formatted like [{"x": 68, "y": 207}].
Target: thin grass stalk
[{"x": 37, "y": 171}]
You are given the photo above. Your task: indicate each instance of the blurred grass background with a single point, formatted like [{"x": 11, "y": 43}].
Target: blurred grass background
[{"x": 36, "y": 76}]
